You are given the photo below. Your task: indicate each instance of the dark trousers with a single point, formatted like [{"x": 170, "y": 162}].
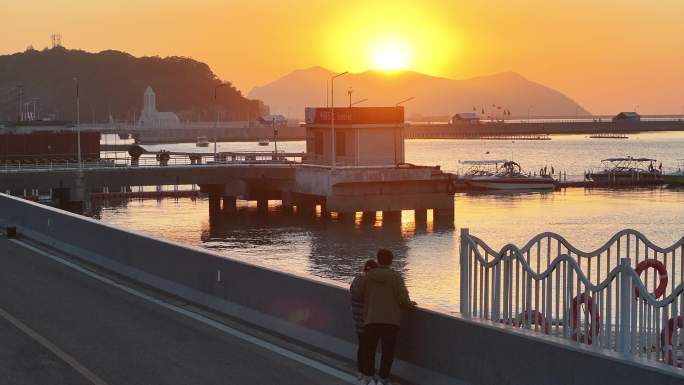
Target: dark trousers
[
  {"x": 359, "y": 353},
  {"x": 372, "y": 335}
]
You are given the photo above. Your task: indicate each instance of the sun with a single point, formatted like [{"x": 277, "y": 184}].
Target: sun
[{"x": 390, "y": 55}]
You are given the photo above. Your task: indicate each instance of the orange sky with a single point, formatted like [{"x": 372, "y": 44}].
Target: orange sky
[{"x": 608, "y": 55}]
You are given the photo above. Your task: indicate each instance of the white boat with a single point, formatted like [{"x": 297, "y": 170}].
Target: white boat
[
  {"x": 264, "y": 142},
  {"x": 504, "y": 175},
  {"x": 202, "y": 141}
]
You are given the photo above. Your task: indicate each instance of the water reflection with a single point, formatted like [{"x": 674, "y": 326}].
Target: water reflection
[{"x": 427, "y": 252}]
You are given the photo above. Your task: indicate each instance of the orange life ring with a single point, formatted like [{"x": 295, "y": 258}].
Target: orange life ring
[
  {"x": 534, "y": 317},
  {"x": 595, "y": 318},
  {"x": 662, "y": 273},
  {"x": 672, "y": 324}
]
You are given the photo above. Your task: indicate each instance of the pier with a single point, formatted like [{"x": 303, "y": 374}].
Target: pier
[{"x": 434, "y": 348}]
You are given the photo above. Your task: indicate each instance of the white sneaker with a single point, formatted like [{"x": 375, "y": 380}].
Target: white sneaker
[{"x": 365, "y": 380}]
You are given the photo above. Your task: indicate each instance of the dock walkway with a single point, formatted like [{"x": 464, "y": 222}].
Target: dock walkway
[{"x": 61, "y": 326}]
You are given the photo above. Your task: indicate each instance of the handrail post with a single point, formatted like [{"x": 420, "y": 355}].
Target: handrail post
[
  {"x": 626, "y": 293},
  {"x": 465, "y": 269}
]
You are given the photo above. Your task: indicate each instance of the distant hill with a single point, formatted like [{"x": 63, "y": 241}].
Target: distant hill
[
  {"x": 114, "y": 82},
  {"x": 434, "y": 96}
]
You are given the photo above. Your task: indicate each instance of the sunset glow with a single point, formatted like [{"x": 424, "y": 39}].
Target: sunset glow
[{"x": 390, "y": 55}]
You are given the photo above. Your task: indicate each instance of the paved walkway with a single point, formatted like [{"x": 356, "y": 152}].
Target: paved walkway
[{"x": 60, "y": 326}]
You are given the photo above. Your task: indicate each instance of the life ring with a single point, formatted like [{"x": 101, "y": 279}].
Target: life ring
[
  {"x": 662, "y": 273},
  {"x": 534, "y": 317},
  {"x": 671, "y": 325},
  {"x": 595, "y": 318}
]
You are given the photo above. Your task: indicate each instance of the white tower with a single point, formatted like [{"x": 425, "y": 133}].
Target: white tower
[{"x": 149, "y": 102}]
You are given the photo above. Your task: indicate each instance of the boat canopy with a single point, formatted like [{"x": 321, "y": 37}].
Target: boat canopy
[
  {"x": 482, "y": 162},
  {"x": 629, "y": 159}
]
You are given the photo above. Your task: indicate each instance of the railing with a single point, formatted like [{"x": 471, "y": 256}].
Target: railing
[
  {"x": 144, "y": 162},
  {"x": 596, "y": 298}
]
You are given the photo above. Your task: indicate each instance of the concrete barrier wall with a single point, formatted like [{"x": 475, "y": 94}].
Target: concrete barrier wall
[{"x": 434, "y": 348}]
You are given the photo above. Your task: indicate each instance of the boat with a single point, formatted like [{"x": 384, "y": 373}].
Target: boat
[
  {"x": 263, "y": 142},
  {"x": 626, "y": 171},
  {"x": 202, "y": 141},
  {"x": 504, "y": 175},
  {"x": 675, "y": 178}
]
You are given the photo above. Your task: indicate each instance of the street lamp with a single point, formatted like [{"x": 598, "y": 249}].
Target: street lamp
[
  {"x": 332, "y": 114},
  {"x": 217, "y": 118},
  {"x": 78, "y": 125},
  {"x": 350, "y": 91},
  {"x": 404, "y": 101},
  {"x": 529, "y": 108}
]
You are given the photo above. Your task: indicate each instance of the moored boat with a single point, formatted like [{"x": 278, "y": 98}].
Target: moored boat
[
  {"x": 504, "y": 175},
  {"x": 627, "y": 171}
]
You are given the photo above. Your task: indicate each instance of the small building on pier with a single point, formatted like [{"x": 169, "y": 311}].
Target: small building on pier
[
  {"x": 364, "y": 136},
  {"x": 627, "y": 117}
]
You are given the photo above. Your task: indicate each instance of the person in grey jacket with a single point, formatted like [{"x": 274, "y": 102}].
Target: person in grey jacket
[{"x": 384, "y": 296}]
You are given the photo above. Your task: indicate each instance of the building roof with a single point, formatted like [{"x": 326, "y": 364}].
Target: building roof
[
  {"x": 466, "y": 116},
  {"x": 628, "y": 114}
]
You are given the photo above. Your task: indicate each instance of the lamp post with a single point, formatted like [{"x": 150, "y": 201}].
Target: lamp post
[
  {"x": 397, "y": 104},
  {"x": 78, "y": 125},
  {"x": 332, "y": 114},
  {"x": 217, "y": 118},
  {"x": 20, "y": 95},
  {"x": 529, "y": 108},
  {"x": 350, "y": 92}
]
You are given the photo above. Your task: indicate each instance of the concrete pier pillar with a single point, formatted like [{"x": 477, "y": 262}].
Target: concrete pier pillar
[
  {"x": 306, "y": 209},
  {"x": 214, "y": 204},
  {"x": 444, "y": 214},
  {"x": 443, "y": 218},
  {"x": 391, "y": 216},
  {"x": 368, "y": 217},
  {"x": 262, "y": 205},
  {"x": 420, "y": 216},
  {"x": 229, "y": 205},
  {"x": 346, "y": 217}
]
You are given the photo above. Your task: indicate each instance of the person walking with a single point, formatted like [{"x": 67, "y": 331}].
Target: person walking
[
  {"x": 384, "y": 296},
  {"x": 357, "y": 314}
]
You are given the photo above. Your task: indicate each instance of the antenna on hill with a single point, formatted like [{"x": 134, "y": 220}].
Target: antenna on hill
[{"x": 56, "y": 40}]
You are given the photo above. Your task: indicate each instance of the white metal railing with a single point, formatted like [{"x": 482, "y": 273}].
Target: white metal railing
[
  {"x": 142, "y": 162},
  {"x": 626, "y": 296}
]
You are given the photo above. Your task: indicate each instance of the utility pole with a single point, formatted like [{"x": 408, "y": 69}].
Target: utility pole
[
  {"x": 78, "y": 126},
  {"x": 217, "y": 118},
  {"x": 20, "y": 93},
  {"x": 332, "y": 114}
]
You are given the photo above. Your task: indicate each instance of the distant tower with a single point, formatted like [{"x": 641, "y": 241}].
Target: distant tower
[
  {"x": 56, "y": 40},
  {"x": 149, "y": 102}
]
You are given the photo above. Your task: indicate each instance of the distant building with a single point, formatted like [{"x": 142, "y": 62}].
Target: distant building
[
  {"x": 278, "y": 120},
  {"x": 151, "y": 118},
  {"x": 627, "y": 116},
  {"x": 465, "y": 118},
  {"x": 364, "y": 136}
]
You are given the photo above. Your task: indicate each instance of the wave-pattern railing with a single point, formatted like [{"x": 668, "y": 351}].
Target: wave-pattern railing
[{"x": 625, "y": 296}]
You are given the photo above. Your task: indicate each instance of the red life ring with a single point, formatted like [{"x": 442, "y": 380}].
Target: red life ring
[
  {"x": 534, "y": 317},
  {"x": 671, "y": 360},
  {"x": 662, "y": 273},
  {"x": 595, "y": 318}
]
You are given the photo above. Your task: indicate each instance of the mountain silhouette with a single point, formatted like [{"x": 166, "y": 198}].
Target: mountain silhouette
[
  {"x": 113, "y": 82},
  {"x": 433, "y": 96}
]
